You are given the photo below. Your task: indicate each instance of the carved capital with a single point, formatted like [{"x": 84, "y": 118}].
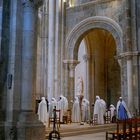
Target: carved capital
[
  {"x": 29, "y": 3},
  {"x": 70, "y": 64},
  {"x": 128, "y": 55}
]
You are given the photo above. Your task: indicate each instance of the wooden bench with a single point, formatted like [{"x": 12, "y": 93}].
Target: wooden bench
[{"x": 128, "y": 129}]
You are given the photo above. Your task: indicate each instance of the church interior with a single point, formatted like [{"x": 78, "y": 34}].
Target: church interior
[{"x": 72, "y": 66}]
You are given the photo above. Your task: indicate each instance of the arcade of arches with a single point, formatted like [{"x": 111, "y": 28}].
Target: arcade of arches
[{"x": 45, "y": 45}]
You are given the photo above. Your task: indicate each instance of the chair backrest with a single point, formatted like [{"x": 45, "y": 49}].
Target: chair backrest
[
  {"x": 108, "y": 116},
  {"x": 58, "y": 114},
  {"x": 69, "y": 115},
  {"x": 95, "y": 119}
]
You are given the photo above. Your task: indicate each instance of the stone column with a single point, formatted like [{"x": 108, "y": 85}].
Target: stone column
[
  {"x": 130, "y": 83},
  {"x": 65, "y": 82},
  {"x": 58, "y": 47},
  {"x": 29, "y": 128},
  {"x": 71, "y": 64},
  {"x": 4, "y": 53},
  {"x": 51, "y": 49},
  {"x": 63, "y": 26},
  {"x": 0, "y": 24},
  {"x": 42, "y": 51}
]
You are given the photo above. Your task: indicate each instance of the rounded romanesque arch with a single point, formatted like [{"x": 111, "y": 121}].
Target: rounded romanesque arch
[{"x": 78, "y": 32}]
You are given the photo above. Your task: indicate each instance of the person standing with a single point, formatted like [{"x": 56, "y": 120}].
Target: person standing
[
  {"x": 63, "y": 106},
  {"x": 112, "y": 112},
  {"x": 52, "y": 105},
  {"x": 85, "y": 110},
  {"x": 76, "y": 110},
  {"x": 99, "y": 109},
  {"x": 42, "y": 111},
  {"x": 122, "y": 110}
]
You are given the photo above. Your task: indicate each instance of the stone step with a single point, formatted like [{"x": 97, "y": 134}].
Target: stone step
[{"x": 81, "y": 130}]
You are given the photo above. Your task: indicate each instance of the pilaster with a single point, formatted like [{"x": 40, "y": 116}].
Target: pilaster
[{"x": 128, "y": 65}]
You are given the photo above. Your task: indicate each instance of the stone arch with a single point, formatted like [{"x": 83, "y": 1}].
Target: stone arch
[{"x": 77, "y": 33}]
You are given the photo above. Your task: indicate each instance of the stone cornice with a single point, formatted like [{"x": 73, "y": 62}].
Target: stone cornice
[
  {"x": 71, "y": 61},
  {"x": 90, "y": 3},
  {"x": 127, "y": 54}
]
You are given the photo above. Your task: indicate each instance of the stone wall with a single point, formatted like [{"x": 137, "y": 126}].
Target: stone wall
[{"x": 112, "y": 9}]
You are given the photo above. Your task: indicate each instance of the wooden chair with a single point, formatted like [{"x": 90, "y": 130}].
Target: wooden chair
[
  {"x": 67, "y": 117},
  {"x": 57, "y": 120},
  {"x": 138, "y": 128},
  {"x": 94, "y": 120},
  {"x": 108, "y": 117}
]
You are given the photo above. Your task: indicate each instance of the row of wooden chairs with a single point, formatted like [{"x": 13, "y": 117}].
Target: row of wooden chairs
[
  {"x": 107, "y": 118},
  {"x": 128, "y": 129},
  {"x": 66, "y": 118}
]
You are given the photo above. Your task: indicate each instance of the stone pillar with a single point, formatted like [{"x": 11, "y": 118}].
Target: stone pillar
[
  {"x": 130, "y": 84},
  {"x": 42, "y": 51},
  {"x": 65, "y": 82},
  {"x": 29, "y": 128},
  {"x": 51, "y": 49},
  {"x": 4, "y": 53},
  {"x": 0, "y": 24},
  {"x": 14, "y": 71},
  {"x": 63, "y": 26},
  {"x": 58, "y": 47},
  {"x": 71, "y": 64}
]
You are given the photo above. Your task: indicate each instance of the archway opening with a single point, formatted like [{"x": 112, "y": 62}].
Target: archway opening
[{"x": 98, "y": 66}]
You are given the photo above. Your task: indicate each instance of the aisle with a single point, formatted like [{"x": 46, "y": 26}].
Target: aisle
[{"x": 96, "y": 136}]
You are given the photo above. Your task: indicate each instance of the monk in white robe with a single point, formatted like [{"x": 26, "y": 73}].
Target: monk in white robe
[
  {"x": 62, "y": 106},
  {"x": 42, "y": 111},
  {"x": 85, "y": 110},
  {"x": 52, "y": 105},
  {"x": 100, "y": 109},
  {"x": 112, "y": 110},
  {"x": 76, "y": 111}
]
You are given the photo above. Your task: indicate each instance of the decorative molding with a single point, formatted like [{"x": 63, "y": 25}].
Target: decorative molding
[
  {"x": 70, "y": 64},
  {"x": 91, "y": 23},
  {"x": 128, "y": 55},
  {"x": 90, "y": 3}
]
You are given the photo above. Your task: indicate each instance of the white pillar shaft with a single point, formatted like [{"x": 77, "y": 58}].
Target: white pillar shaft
[
  {"x": 130, "y": 84},
  {"x": 43, "y": 45},
  {"x": 62, "y": 79},
  {"x": 27, "y": 55},
  {"x": 51, "y": 49},
  {"x": 57, "y": 49}
]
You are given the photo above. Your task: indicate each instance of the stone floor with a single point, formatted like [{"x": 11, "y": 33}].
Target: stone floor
[
  {"x": 73, "y": 127},
  {"x": 96, "y": 136}
]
